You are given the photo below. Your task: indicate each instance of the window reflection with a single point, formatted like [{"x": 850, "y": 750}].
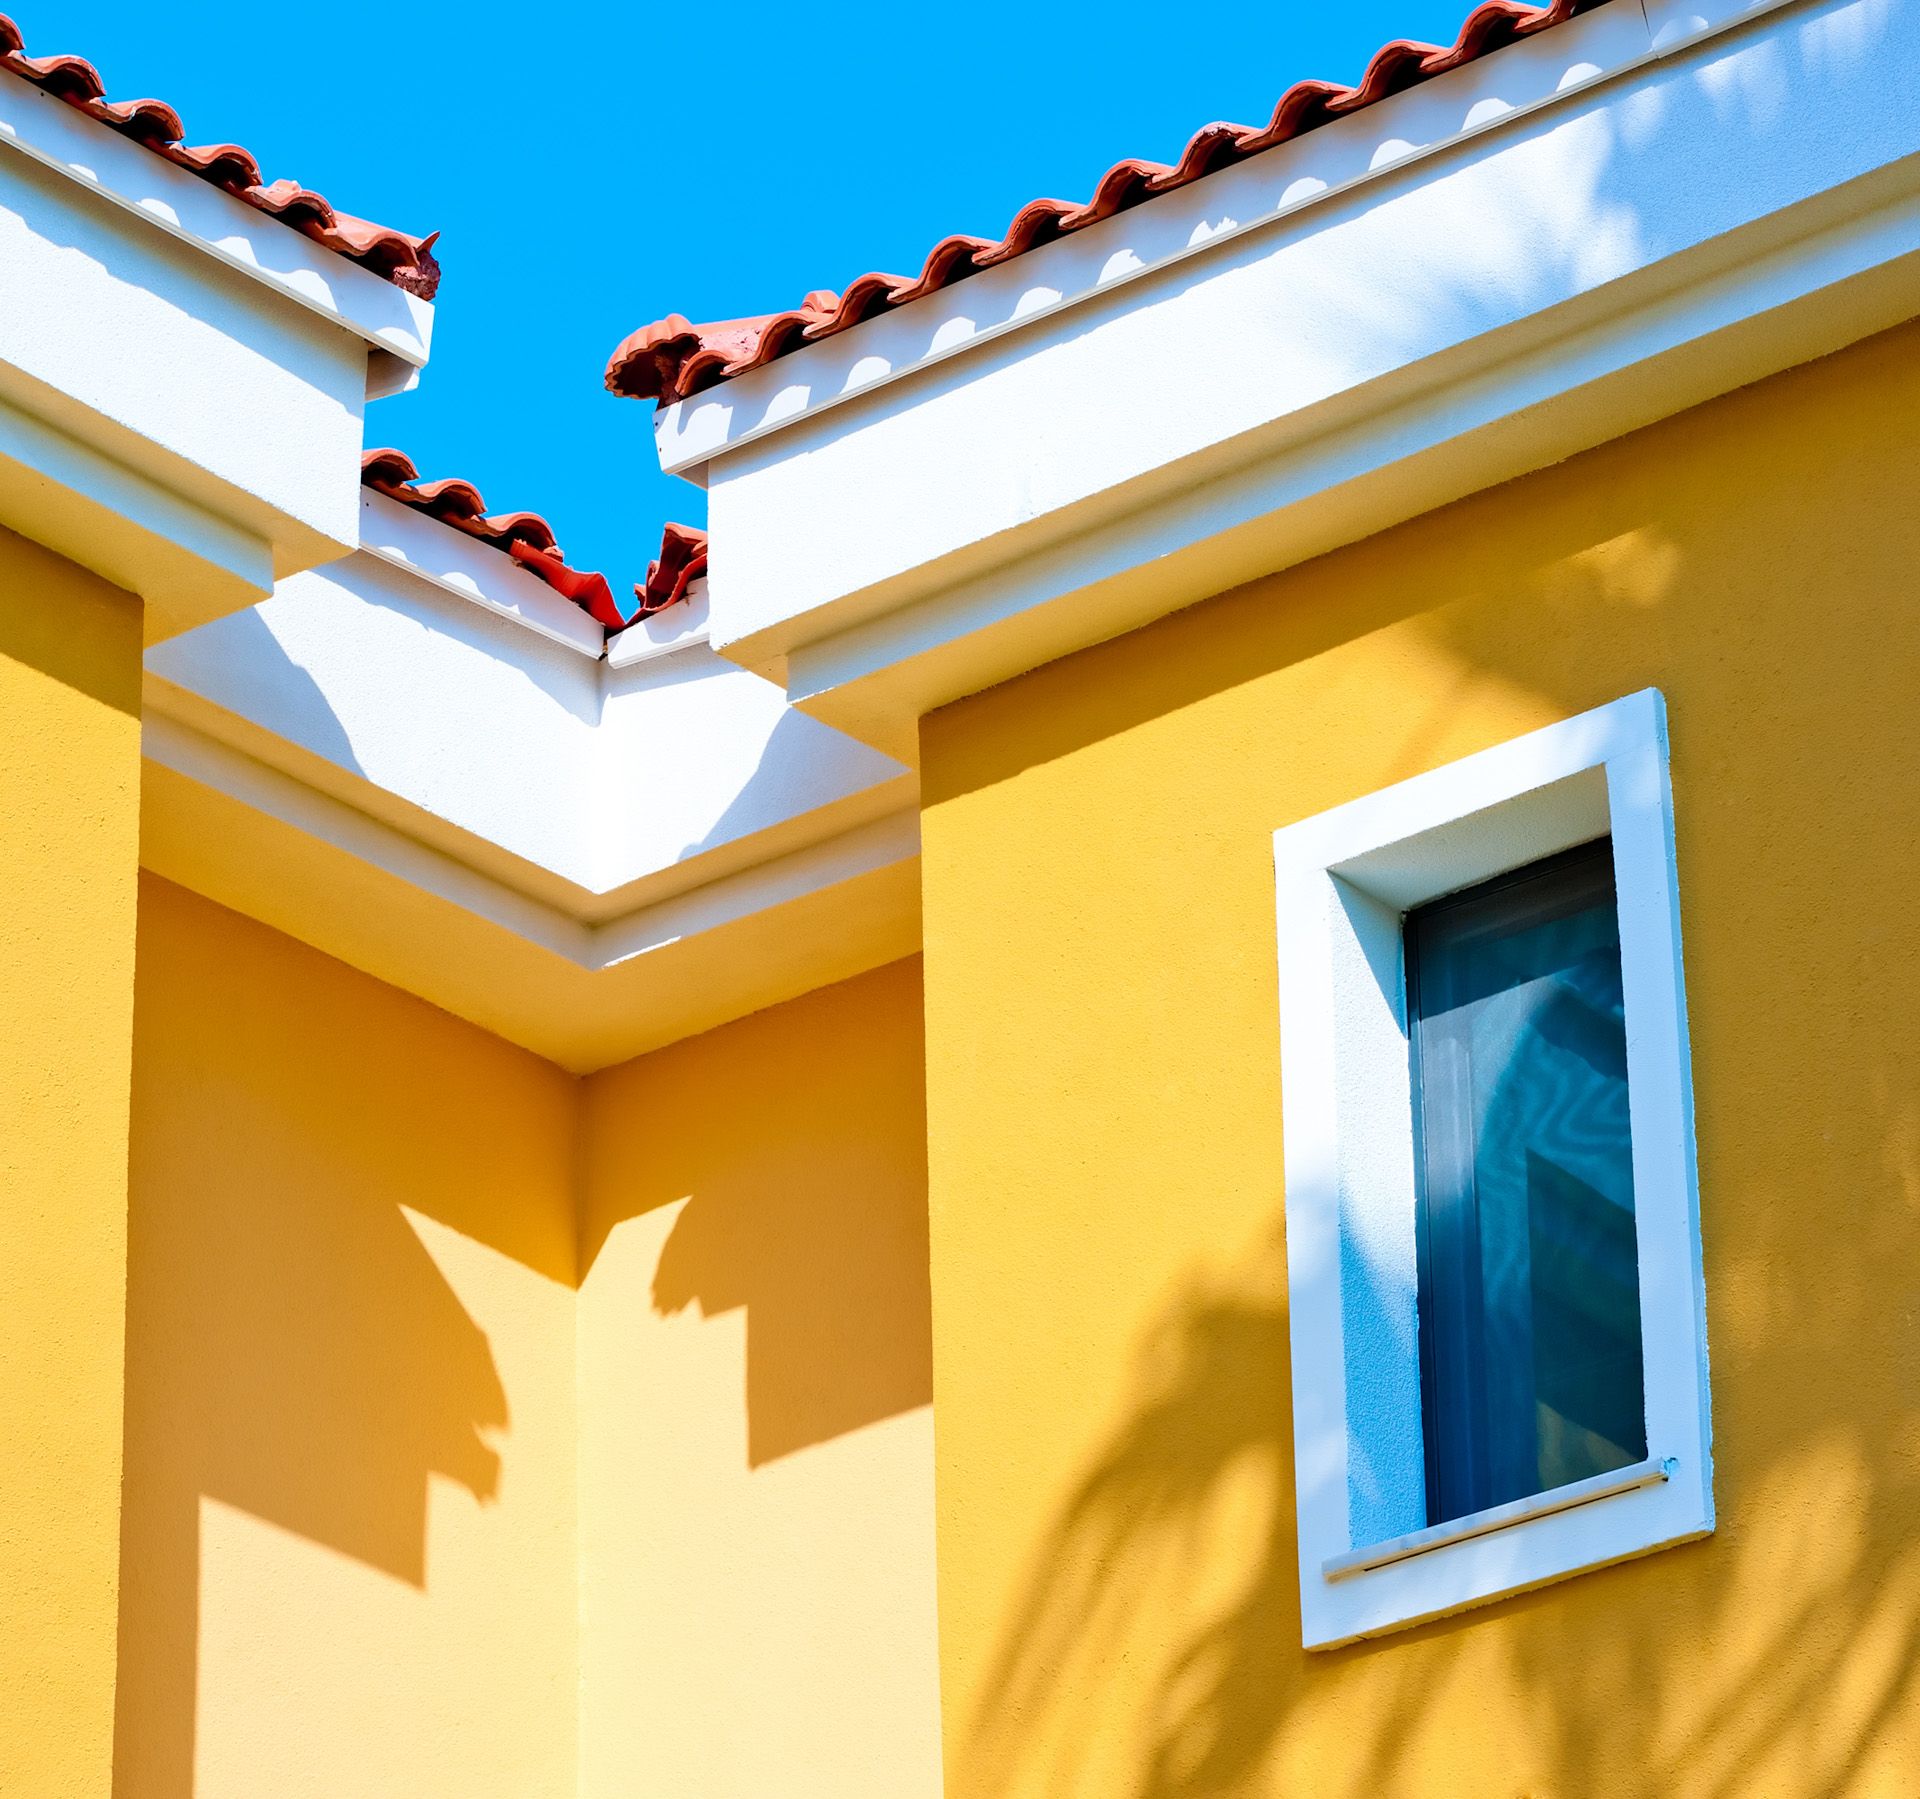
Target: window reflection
[{"x": 1529, "y": 1285}]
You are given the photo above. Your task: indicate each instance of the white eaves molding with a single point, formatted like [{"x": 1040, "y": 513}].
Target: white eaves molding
[
  {"x": 1493, "y": 92},
  {"x": 403, "y": 761},
  {"x": 183, "y": 379},
  {"x": 169, "y": 198},
  {"x": 584, "y": 995},
  {"x": 473, "y": 571},
  {"x": 681, "y": 627},
  {"x": 1674, "y": 201}
]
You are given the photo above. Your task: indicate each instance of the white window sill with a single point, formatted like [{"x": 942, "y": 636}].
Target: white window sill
[{"x": 1499, "y": 1517}]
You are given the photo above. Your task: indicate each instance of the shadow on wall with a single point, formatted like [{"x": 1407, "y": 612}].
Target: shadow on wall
[
  {"x": 813, "y": 1217},
  {"x": 1204, "y": 1454},
  {"x": 1749, "y": 558},
  {"x": 293, "y": 1350}
]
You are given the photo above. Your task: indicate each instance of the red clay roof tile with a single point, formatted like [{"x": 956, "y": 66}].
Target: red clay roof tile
[
  {"x": 672, "y": 358},
  {"x": 681, "y": 562},
  {"x": 529, "y": 540},
  {"x": 408, "y": 262}
]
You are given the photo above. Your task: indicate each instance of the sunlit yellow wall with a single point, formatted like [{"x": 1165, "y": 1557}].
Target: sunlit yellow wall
[
  {"x": 756, "y": 1457},
  {"x": 69, "y": 847},
  {"x": 349, "y": 1524},
  {"x": 1119, "y": 1609}
]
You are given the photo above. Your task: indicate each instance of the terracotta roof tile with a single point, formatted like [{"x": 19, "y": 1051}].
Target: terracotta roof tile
[
  {"x": 408, "y": 262},
  {"x": 672, "y": 358},
  {"x": 529, "y": 540},
  {"x": 681, "y": 562}
]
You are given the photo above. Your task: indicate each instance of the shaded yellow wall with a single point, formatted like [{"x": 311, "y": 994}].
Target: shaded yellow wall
[
  {"x": 349, "y": 1523},
  {"x": 69, "y": 849},
  {"x": 756, "y": 1458},
  {"x": 1119, "y": 1604}
]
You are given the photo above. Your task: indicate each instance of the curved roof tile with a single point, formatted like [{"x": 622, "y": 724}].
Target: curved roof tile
[
  {"x": 408, "y": 262},
  {"x": 672, "y": 358},
  {"x": 529, "y": 540}
]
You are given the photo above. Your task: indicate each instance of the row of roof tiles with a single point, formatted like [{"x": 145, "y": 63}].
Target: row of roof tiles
[
  {"x": 408, "y": 262},
  {"x": 672, "y": 359},
  {"x": 530, "y": 541}
]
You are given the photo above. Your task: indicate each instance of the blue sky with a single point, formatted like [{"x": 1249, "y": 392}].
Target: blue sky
[{"x": 593, "y": 166}]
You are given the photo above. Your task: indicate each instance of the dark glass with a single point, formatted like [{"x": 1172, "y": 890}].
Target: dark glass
[{"x": 1530, "y": 1367}]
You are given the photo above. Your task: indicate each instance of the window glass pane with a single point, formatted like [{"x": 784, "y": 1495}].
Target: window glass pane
[{"x": 1529, "y": 1282}]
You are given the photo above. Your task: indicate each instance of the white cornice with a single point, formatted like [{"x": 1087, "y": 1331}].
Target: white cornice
[
  {"x": 1741, "y": 194},
  {"x": 198, "y": 214},
  {"x": 473, "y": 571},
  {"x": 583, "y": 994},
  {"x": 1201, "y": 220},
  {"x": 587, "y": 856},
  {"x": 680, "y": 627}
]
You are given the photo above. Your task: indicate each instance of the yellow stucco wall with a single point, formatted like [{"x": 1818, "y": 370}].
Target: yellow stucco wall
[
  {"x": 1119, "y": 1605},
  {"x": 756, "y": 1459},
  {"x": 69, "y": 838},
  {"x": 349, "y": 1522}
]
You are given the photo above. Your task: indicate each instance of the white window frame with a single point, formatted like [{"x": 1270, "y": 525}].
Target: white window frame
[{"x": 1346, "y": 880}]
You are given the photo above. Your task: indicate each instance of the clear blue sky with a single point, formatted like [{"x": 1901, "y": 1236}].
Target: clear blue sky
[{"x": 594, "y": 166}]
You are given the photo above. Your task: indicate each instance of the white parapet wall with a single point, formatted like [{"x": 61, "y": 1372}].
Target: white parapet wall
[
  {"x": 182, "y": 378},
  {"x": 1575, "y": 235}
]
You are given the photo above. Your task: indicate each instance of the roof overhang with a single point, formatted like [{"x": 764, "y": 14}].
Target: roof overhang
[
  {"x": 415, "y": 760},
  {"x": 1577, "y": 235},
  {"x": 182, "y": 377}
]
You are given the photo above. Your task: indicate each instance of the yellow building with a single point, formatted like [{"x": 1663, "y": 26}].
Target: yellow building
[{"x": 1231, "y": 1114}]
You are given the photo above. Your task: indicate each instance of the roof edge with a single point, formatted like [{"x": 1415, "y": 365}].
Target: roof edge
[{"x": 673, "y": 359}]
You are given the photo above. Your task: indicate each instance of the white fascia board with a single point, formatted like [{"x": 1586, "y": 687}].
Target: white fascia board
[
  {"x": 473, "y": 571},
  {"x": 412, "y": 701},
  {"x": 598, "y": 793},
  {"x": 172, "y": 743},
  {"x": 886, "y": 842},
  {"x": 213, "y": 222},
  {"x": 1194, "y": 221},
  {"x": 188, "y": 561},
  {"x": 167, "y": 365},
  {"x": 586, "y": 996},
  {"x": 1743, "y": 202},
  {"x": 699, "y": 761},
  {"x": 680, "y": 627}
]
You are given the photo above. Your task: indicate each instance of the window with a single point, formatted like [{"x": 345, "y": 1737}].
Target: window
[
  {"x": 1498, "y": 1331},
  {"x": 1529, "y": 1288}
]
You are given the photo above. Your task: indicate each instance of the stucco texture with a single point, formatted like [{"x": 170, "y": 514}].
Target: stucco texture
[
  {"x": 756, "y": 1432},
  {"x": 494, "y": 1433},
  {"x": 69, "y": 835},
  {"x": 349, "y": 1517},
  {"x": 1119, "y": 1601}
]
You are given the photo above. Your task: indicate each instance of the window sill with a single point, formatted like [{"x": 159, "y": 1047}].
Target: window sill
[{"x": 1498, "y": 1517}]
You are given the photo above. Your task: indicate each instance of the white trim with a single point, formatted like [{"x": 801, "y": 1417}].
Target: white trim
[
  {"x": 473, "y": 571},
  {"x": 1403, "y": 457},
  {"x": 1483, "y": 97},
  {"x": 196, "y": 212},
  {"x": 1748, "y": 200},
  {"x": 682, "y": 626},
  {"x": 1498, "y": 1517},
  {"x": 129, "y": 515},
  {"x": 1345, "y": 879},
  {"x": 548, "y": 911}
]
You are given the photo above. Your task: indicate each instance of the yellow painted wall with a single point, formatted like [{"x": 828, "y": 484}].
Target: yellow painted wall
[
  {"x": 349, "y": 1527},
  {"x": 69, "y": 847},
  {"x": 756, "y": 1459},
  {"x": 1119, "y": 1604}
]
